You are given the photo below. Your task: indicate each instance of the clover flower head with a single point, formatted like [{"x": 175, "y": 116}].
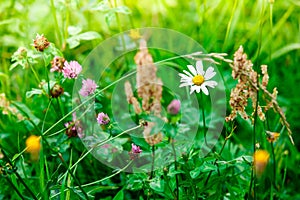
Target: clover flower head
[
  {"x": 197, "y": 78},
  {"x": 88, "y": 87},
  {"x": 57, "y": 64},
  {"x": 74, "y": 127},
  {"x": 135, "y": 151},
  {"x": 41, "y": 43},
  {"x": 174, "y": 107},
  {"x": 71, "y": 70},
  {"x": 103, "y": 118}
]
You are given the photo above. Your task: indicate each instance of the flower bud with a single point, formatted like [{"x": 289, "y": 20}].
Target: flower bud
[
  {"x": 261, "y": 159},
  {"x": 41, "y": 43},
  {"x": 56, "y": 91},
  {"x": 174, "y": 107}
]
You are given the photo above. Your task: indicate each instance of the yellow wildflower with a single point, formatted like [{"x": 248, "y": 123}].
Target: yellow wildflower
[
  {"x": 33, "y": 146},
  {"x": 261, "y": 159}
]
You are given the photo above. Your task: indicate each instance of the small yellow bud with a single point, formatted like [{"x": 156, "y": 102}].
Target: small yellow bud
[
  {"x": 33, "y": 146},
  {"x": 261, "y": 159}
]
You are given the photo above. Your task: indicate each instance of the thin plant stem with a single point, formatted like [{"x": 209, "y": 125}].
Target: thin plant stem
[
  {"x": 18, "y": 175},
  {"x": 274, "y": 164},
  {"x": 108, "y": 177},
  {"x": 152, "y": 164},
  {"x": 73, "y": 176},
  {"x": 175, "y": 163},
  {"x": 100, "y": 144},
  {"x": 203, "y": 118},
  {"x": 14, "y": 187},
  {"x": 35, "y": 74},
  {"x": 271, "y": 29},
  {"x": 45, "y": 117},
  {"x": 253, "y": 179},
  {"x": 57, "y": 29},
  {"x": 222, "y": 148},
  {"x": 99, "y": 181}
]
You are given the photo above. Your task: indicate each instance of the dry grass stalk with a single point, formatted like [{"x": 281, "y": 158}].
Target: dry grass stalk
[
  {"x": 248, "y": 87},
  {"x": 149, "y": 90}
]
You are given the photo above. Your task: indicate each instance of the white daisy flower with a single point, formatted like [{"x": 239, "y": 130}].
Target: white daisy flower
[{"x": 197, "y": 78}]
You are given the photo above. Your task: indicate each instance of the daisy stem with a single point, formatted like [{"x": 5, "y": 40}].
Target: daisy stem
[{"x": 203, "y": 118}]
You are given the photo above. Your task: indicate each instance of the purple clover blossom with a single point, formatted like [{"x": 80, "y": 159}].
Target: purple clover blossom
[
  {"x": 71, "y": 70},
  {"x": 74, "y": 128},
  {"x": 135, "y": 151},
  {"x": 103, "y": 119},
  {"x": 174, "y": 107},
  {"x": 88, "y": 87}
]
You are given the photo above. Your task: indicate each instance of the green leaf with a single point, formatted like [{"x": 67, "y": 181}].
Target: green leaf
[
  {"x": 103, "y": 6},
  {"x": 157, "y": 185},
  {"x": 34, "y": 91},
  {"x": 26, "y": 111},
  {"x": 74, "y": 30},
  {"x": 90, "y": 35},
  {"x": 73, "y": 42},
  {"x": 195, "y": 173},
  {"x": 122, "y": 9},
  {"x": 119, "y": 196}
]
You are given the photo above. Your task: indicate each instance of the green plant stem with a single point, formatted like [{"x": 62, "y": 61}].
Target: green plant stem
[
  {"x": 98, "y": 181},
  {"x": 222, "y": 148},
  {"x": 35, "y": 74},
  {"x": 152, "y": 164},
  {"x": 14, "y": 187},
  {"x": 108, "y": 177},
  {"x": 203, "y": 118},
  {"x": 274, "y": 164},
  {"x": 45, "y": 117},
  {"x": 73, "y": 176},
  {"x": 17, "y": 174},
  {"x": 175, "y": 164},
  {"x": 230, "y": 22},
  {"x": 253, "y": 179},
  {"x": 66, "y": 25},
  {"x": 271, "y": 29},
  {"x": 47, "y": 76},
  {"x": 100, "y": 144},
  {"x": 57, "y": 29}
]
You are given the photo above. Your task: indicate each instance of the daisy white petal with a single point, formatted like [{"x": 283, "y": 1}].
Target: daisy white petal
[
  {"x": 192, "y": 69},
  {"x": 209, "y": 73},
  {"x": 204, "y": 89},
  {"x": 193, "y": 88},
  {"x": 185, "y": 84},
  {"x": 199, "y": 67},
  {"x": 188, "y": 73},
  {"x": 183, "y": 76},
  {"x": 211, "y": 84}
]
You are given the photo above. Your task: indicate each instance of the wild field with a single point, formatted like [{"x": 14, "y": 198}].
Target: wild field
[{"x": 160, "y": 99}]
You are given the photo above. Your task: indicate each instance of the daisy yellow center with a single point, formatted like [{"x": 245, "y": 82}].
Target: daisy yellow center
[{"x": 198, "y": 80}]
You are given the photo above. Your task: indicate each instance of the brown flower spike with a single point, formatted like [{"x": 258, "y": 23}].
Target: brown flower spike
[
  {"x": 149, "y": 89},
  {"x": 248, "y": 87}
]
